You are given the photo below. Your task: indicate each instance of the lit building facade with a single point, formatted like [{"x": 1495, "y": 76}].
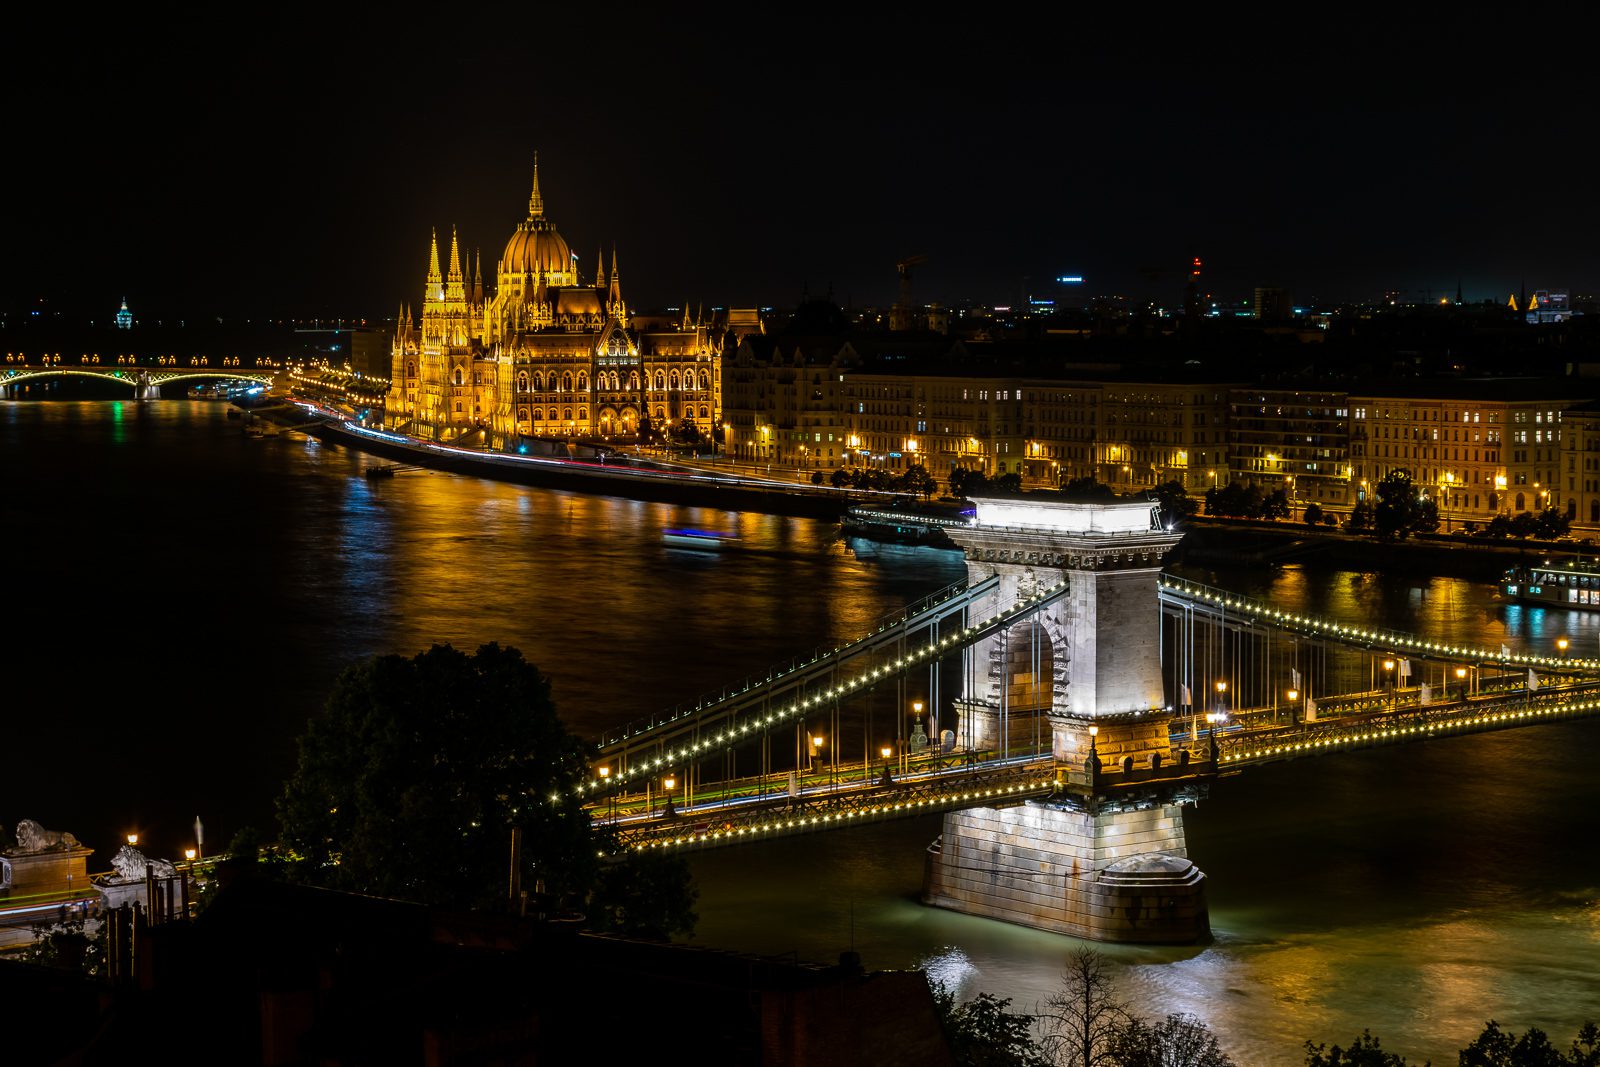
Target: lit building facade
[
  {"x": 1297, "y": 440},
  {"x": 547, "y": 353},
  {"x": 1493, "y": 448}
]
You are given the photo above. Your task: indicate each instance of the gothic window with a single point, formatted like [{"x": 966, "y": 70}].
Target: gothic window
[
  {"x": 457, "y": 380},
  {"x": 458, "y": 403},
  {"x": 705, "y": 381},
  {"x": 660, "y": 412},
  {"x": 705, "y": 412},
  {"x": 411, "y": 369},
  {"x": 674, "y": 385},
  {"x": 661, "y": 381},
  {"x": 633, "y": 381},
  {"x": 538, "y": 382},
  {"x": 583, "y": 383},
  {"x": 522, "y": 414},
  {"x": 538, "y": 414},
  {"x": 566, "y": 383},
  {"x": 583, "y": 414},
  {"x": 566, "y": 413},
  {"x": 522, "y": 383}
]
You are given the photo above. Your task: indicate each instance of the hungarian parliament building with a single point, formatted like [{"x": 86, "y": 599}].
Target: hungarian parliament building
[{"x": 546, "y": 353}]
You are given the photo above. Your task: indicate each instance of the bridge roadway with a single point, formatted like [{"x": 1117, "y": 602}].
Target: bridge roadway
[{"x": 748, "y": 810}]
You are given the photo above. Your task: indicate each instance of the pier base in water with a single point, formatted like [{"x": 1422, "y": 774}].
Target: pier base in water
[{"x": 1120, "y": 876}]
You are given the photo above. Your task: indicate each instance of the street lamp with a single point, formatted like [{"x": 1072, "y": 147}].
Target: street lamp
[
  {"x": 667, "y": 785},
  {"x": 1294, "y": 700},
  {"x": 886, "y": 751},
  {"x": 1212, "y": 718},
  {"x": 1388, "y": 681},
  {"x": 919, "y": 739},
  {"x": 605, "y": 781},
  {"x": 1561, "y": 645},
  {"x": 1461, "y": 681},
  {"x": 816, "y": 751},
  {"x": 133, "y": 839}
]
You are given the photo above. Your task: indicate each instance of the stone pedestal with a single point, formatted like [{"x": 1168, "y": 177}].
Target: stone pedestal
[{"x": 1110, "y": 876}]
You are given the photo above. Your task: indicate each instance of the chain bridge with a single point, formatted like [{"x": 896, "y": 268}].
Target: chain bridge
[{"x": 1061, "y": 707}]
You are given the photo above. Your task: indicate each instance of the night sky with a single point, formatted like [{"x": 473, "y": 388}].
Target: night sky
[{"x": 296, "y": 169}]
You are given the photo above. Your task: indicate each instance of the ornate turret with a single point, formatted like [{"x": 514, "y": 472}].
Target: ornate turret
[
  {"x": 434, "y": 287},
  {"x": 614, "y": 305},
  {"x": 455, "y": 288},
  {"x": 477, "y": 278}
]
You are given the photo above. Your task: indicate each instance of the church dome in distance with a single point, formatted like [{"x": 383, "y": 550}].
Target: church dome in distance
[{"x": 536, "y": 247}]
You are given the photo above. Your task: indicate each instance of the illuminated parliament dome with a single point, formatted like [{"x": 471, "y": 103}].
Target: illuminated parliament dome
[{"x": 537, "y": 247}]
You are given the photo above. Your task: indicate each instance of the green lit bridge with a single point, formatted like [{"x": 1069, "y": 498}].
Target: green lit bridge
[{"x": 143, "y": 375}]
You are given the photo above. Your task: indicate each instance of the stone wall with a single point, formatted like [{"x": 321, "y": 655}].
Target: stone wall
[{"x": 1115, "y": 876}]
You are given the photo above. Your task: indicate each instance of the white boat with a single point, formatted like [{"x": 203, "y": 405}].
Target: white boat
[{"x": 700, "y": 540}]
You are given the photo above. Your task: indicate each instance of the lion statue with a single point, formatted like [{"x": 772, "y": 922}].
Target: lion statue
[
  {"x": 130, "y": 865},
  {"x": 31, "y": 837}
]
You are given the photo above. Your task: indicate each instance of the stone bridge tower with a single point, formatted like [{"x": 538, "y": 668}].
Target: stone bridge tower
[{"x": 1105, "y": 858}]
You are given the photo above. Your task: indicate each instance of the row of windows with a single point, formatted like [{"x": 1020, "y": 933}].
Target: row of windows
[{"x": 565, "y": 414}]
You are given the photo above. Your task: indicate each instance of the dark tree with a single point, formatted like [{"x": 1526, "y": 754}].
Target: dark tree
[
  {"x": 1179, "y": 1040},
  {"x": 984, "y": 1032},
  {"x": 1361, "y": 518},
  {"x": 816, "y": 477},
  {"x": 1175, "y": 503},
  {"x": 1312, "y": 514},
  {"x": 1090, "y": 488},
  {"x": 644, "y": 895},
  {"x": 1497, "y": 1048},
  {"x": 409, "y": 783},
  {"x": 1008, "y": 484},
  {"x": 1551, "y": 524},
  {"x": 1524, "y": 525},
  {"x": 1365, "y": 1052},
  {"x": 1400, "y": 509},
  {"x": 967, "y": 482},
  {"x": 1276, "y": 505},
  {"x": 1083, "y": 1018},
  {"x": 841, "y": 478},
  {"x": 916, "y": 479}
]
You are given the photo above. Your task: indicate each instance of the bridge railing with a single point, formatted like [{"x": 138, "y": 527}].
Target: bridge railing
[
  {"x": 779, "y": 671},
  {"x": 1259, "y": 612}
]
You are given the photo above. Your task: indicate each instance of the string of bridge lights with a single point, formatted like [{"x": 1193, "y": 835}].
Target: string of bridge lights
[
  {"x": 736, "y": 733},
  {"x": 1390, "y": 733},
  {"x": 907, "y": 807},
  {"x": 1389, "y": 639}
]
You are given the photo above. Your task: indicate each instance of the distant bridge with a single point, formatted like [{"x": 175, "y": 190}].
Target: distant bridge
[{"x": 143, "y": 374}]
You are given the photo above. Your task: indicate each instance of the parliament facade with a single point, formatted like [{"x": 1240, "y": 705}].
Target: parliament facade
[{"x": 547, "y": 353}]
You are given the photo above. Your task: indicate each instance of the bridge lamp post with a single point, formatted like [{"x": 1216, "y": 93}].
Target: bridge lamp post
[
  {"x": 1212, "y": 718},
  {"x": 667, "y": 785},
  {"x": 1294, "y": 702},
  {"x": 886, "y": 751},
  {"x": 1561, "y": 646},
  {"x": 1389, "y": 682},
  {"x": 605, "y": 782},
  {"x": 1461, "y": 681},
  {"x": 816, "y": 751}
]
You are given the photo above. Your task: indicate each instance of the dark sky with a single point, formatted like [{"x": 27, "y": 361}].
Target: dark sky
[{"x": 295, "y": 168}]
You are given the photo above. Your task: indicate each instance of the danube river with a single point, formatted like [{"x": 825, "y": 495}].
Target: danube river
[{"x": 181, "y": 598}]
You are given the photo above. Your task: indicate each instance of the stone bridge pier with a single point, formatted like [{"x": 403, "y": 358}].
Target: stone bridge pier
[{"x": 1097, "y": 862}]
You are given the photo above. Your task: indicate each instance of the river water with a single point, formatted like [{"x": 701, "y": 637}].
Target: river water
[{"x": 180, "y": 598}]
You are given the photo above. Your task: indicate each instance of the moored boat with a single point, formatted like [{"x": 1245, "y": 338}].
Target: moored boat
[{"x": 1572, "y": 584}]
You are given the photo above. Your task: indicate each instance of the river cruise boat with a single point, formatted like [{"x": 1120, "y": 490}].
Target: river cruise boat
[
  {"x": 1574, "y": 584},
  {"x": 699, "y": 540}
]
